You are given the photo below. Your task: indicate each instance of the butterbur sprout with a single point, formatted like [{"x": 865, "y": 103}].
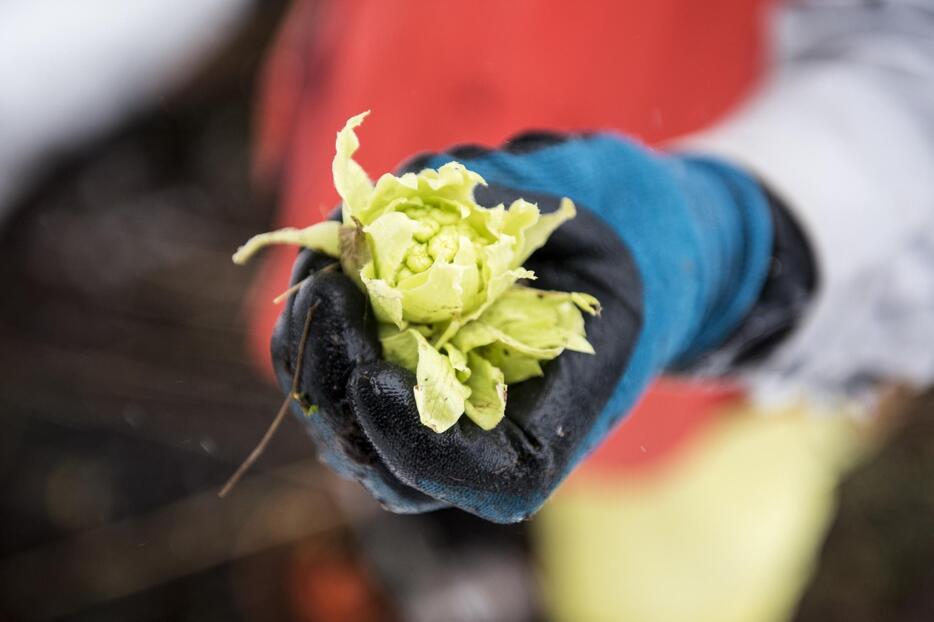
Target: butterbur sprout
[{"x": 441, "y": 274}]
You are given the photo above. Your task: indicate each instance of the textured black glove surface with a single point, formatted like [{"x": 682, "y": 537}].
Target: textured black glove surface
[{"x": 369, "y": 405}]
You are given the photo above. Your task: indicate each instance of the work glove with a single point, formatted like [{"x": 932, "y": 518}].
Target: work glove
[{"x": 676, "y": 248}]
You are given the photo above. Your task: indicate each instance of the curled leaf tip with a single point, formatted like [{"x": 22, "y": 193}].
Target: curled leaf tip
[{"x": 322, "y": 237}]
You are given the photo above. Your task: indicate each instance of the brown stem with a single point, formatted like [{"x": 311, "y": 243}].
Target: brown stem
[
  {"x": 289, "y": 291},
  {"x": 277, "y": 421}
]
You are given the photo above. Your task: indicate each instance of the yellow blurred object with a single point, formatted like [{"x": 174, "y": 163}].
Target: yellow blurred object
[{"x": 727, "y": 531}]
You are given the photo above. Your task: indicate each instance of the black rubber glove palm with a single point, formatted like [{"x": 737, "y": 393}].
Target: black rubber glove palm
[
  {"x": 676, "y": 248},
  {"x": 369, "y": 426}
]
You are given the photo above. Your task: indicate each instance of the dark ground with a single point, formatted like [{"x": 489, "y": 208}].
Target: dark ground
[
  {"x": 126, "y": 399},
  {"x": 878, "y": 561},
  {"x": 126, "y": 395}
]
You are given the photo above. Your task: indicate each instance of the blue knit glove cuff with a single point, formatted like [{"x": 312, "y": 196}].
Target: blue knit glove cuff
[{"x": 698, "y": 229}]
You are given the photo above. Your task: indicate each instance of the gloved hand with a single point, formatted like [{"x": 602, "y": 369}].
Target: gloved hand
[{"x": 676, "y": 248}]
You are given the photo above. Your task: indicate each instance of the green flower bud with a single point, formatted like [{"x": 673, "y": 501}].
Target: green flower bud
[
  {"x": 441, "y": 275},
  {"x": 445, "y": 216},
  {"x": 444, "y": 245},
  {"x": 417, "y": 260},
  {"x": 427, "y": 227}
]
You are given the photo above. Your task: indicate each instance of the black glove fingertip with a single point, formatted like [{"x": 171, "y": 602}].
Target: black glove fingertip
[{"x": 382, "y": 400}]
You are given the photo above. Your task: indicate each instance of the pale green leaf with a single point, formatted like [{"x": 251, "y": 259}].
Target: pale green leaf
[
  {"x": 519, "y": 218},
  {"x": 474, "y": 335},
  {"x": 400, "y": 347},
  {"x": 535, "y": 236},
  {"x": 351, "y": 181},
  {"x": 433, "y": 295},
  {"x": 439, "y": 396},
  {"x": 498, "y": 276},
  {"x": 515, "y": 367},
  {"x": 458, "y": 362},
  {"x": 586, "y": 302},
  {"x": 390, "y": 237},
  {"x": 385, "y": 299},
  {"x": 524, "y": 327},
  {"x": 322, "y": 237},
  {"x": 487, "y": 402}
]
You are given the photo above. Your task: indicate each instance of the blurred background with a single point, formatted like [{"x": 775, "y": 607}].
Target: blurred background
[{"x": 136, "y": 153}]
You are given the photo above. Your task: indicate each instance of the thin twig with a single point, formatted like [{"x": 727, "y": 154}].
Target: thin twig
[
  {"x": 258, "y": 450},
  {"x": 277, "y": 421},
  {"x": 289, "y": 291},
  {"x": 301, "y": 350},
  {"x": 328, "y": 268}
]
